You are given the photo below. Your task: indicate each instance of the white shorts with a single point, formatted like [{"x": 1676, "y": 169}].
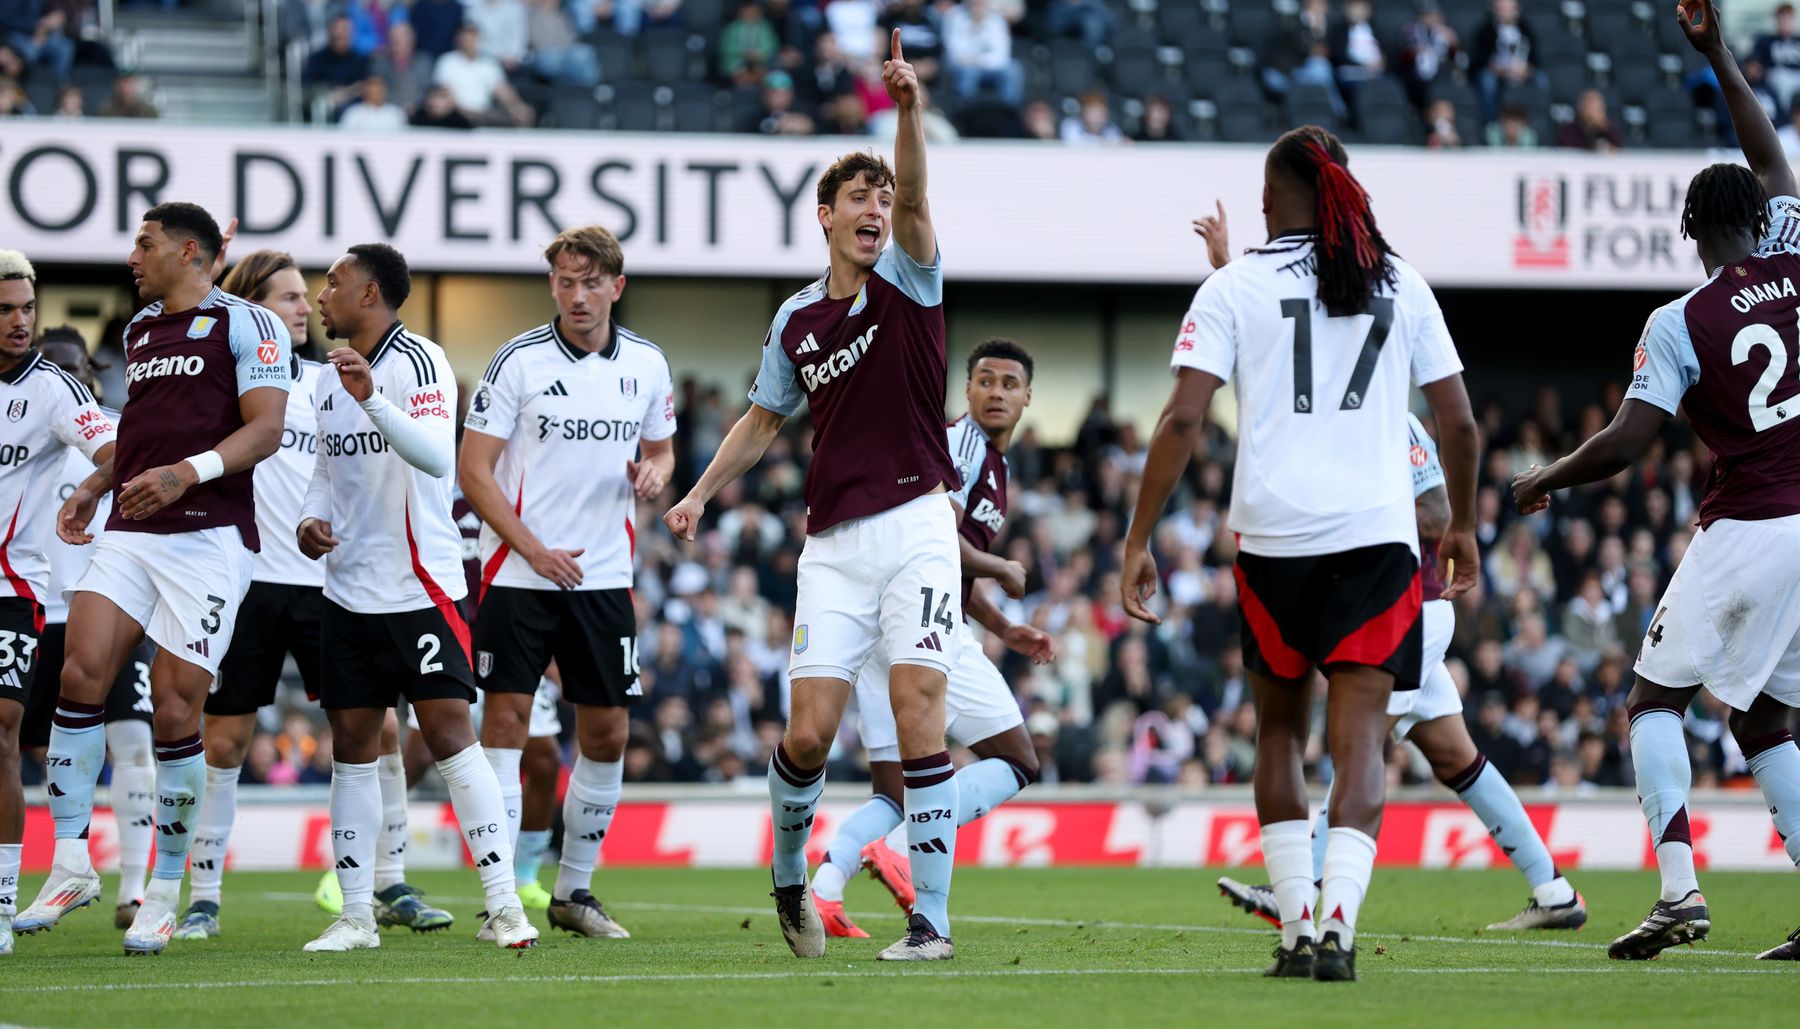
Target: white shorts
[
  {"x": 893, "y": 578},
  {"x": 1436, "y": 696},
  {"x": 546, "y": 715},
  {"x": 1730, "y": 619},
  {"x": 977, "y": 704},
  {"x": 183, "y": 588}
]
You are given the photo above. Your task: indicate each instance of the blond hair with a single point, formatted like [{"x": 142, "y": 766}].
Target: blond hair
[
  {"x": 15, "y": 265},
  {"x": 592, "y": 245}
]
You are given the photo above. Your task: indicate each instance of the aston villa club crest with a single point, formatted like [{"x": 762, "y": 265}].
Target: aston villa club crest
[
  {"x": 800, "y": 639},
  {"x": 628, "y": 387},
  {"x": 201, "y": 327},
  {"x": 484, "y": 663},
  {"x": 15, "y": 411}
]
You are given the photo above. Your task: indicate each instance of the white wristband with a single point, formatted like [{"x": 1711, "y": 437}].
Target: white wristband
[{"x": 207, "y": 466}]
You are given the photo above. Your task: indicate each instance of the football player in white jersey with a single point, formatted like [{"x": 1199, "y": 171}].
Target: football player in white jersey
[
  {"x": 1323, "y": 331},
  {"x": 1431, "y": 716},
  {"x": 46, "y": 410},
  {"x": 387, "y": 445},
  {"x": 280, "y": 617},
  {"x": 128, "y": 708},
  {"x": 573, "y": 423}
]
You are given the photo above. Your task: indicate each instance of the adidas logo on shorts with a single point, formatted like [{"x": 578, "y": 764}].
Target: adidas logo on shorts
[{"x": 930, "y": 642}]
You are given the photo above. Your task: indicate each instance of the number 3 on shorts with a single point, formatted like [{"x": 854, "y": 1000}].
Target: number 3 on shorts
[{"x": 211, "y": 623}]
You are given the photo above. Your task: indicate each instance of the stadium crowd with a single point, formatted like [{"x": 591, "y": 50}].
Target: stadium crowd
[{"x": 1542, "y": 652}]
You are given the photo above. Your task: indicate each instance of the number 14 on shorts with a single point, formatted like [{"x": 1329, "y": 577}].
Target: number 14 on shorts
[{"x": 942, "y": 615}]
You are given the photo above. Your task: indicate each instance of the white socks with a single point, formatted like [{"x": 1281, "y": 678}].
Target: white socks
[
  {"x": 212, "y": 834},
  {"x": 1775, "y": 762},
  {"x": 1659, "y": 755},
  {"x": 1287, "y": 854},
  {"x": 475, "y": 796},
  {"x": 931, "y": 803},
  {"x": 588, "y": 807},
  {"x": 133, "y": 802},
  {"x": 877, "y": 817},
  {"x": 9, "y": 878},
  {"x": 505, "y": 762},
  {"x": 390, "y": 847},
  {"x": 180, "y": 783},
  {"x": 355, "y": 822},
  {"x": 793, "y": 799},
  {"x": 1349, "y": 863}
]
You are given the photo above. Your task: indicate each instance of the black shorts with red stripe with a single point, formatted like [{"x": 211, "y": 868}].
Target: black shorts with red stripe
[
  {"x": 372, "y": 660},
  {"x": 1358, "y": 607}
]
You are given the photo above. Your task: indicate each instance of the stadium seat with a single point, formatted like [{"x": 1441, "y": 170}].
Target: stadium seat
[
  {"x": 1383, "y": 94},
  {"x": 1556, "y": 46},
  {"x": 1634, "y": 80},
  {"x": 1243, "y": 125},
  {"x": 746, "y": 109},
  {"x": 1392, "y": 126},
  {"x": 1567, "y": 81},
  {"x": 618, "y": 60},
  {"x": 634, "y": 107},
  {"x": 1131, "y": 36},
  {"x": 988, "y": 118},
  {"x": 1136, "y": 71},
  {"x": 1609, "y": 23},
  {"x": 1309, "y": 104},
  {"x": 95, "y": 83},
  {"x": 574, "y": 109},
  {"x": 1073, "y": 68},
  {"x": 1674, "y": 134},
  {"x": 1463, "y": 95},
  {"x": 1185, "y": 25},
  {"x": 668, "y": 54},
  {"x": 1231, "y": 93},
  {"x": 1252, "y": 22},
  {"x": 41, "y": 91},
  {"x": 694, "y": 107},
  {"x": 705, "y": 17}
]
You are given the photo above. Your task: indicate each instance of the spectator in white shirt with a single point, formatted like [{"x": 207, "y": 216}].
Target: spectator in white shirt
[
  {"x": 978, "y": 49},
  {"x": 478, "y": 84},
  {"x": 374, "y": 112},
  {"x": 853, "y": 22},
  {"x": 504, "y": 26},
  {"x": 1094, "y": 126}
]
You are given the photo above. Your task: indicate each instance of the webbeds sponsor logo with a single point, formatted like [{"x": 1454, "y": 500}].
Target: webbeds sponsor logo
[{"x": 430, "y": 403}]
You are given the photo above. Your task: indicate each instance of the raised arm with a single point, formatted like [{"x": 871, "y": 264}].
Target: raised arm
[
  {"x": 1762, "y": 149},
  {"x": 912, "y": 213}
]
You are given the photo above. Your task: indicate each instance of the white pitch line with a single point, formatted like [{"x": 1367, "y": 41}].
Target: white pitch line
[
  {"x": 1069, "y": 923},
  {"x": 673, "y": 977}
]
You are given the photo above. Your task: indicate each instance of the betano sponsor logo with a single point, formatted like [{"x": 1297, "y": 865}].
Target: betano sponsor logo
[
  {"x": 158, "y": 367},
  {"x": 840, "y": 362}
]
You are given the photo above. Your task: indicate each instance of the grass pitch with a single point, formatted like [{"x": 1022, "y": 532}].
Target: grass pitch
[{"x": 1035, "y": 947}]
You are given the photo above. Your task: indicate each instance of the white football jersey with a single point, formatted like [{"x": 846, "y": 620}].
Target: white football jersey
[
  {"x": 1322, "y": 401},
  {"x": 68, "y": 563},
  {"x": 281, "y": 481},
  {"x": 398, "y": 548},
  {"x": 45, "y": 410},
  {"x": 571, "y": 420}
]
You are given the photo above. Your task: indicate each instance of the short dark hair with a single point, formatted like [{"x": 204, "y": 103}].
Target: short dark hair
[
  {"x": 189, "y": 221},
  {"x": 387, "y": 269},
  {"x": 1001, "y": 349},
  {"x": 62, "y": 334},
  {"x": 866, "y": 163}
]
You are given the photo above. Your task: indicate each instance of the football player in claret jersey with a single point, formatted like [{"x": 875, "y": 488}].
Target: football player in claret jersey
[
  {"x": 208, "y": 377},
  {"x": 573, "y": 423},
  {"x": 128, "y": 744},
  {"x": 386, "y": 406},
  {"x": 980, "y": 710},
  {"x": 1730, "y": 618},
  {"x": 46, "y": 410},
  {"x": 1323, "y": 331},
  {"x": 864, "y": 346},
  {"x": 280, "y": 617},
  {"x": 1431, "y": 716}
]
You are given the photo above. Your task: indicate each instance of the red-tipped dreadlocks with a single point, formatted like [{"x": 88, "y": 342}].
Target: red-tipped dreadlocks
[{"x": 1352, "y": 256}]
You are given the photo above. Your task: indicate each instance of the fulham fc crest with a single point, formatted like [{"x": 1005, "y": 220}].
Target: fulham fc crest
[
  {"x": 628, "y": 387},
  {"x": 16, "y": 410},
  {"x": 484, "y": 663}
]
